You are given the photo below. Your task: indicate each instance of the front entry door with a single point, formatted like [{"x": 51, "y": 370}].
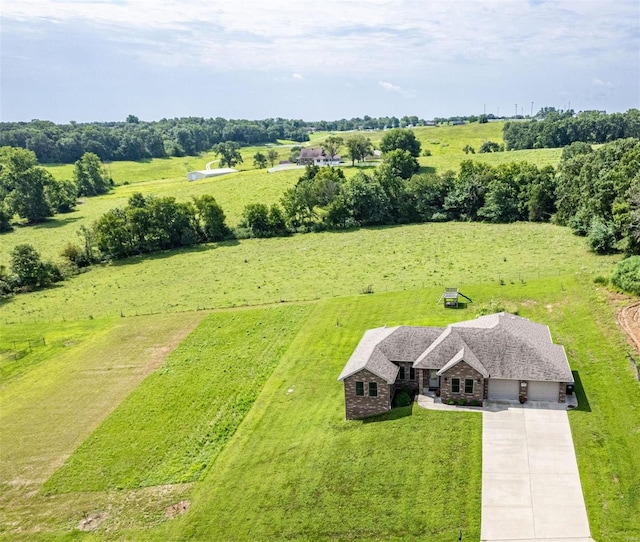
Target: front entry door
[{"x": 434, "y": 379}]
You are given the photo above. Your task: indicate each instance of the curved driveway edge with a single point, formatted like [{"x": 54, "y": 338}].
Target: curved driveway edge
[{"x": 530, "y": 482}]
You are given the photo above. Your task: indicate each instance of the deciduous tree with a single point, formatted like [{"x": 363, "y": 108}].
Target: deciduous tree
[
  {"x": 259, "y": 160},
  {"x": 331, "y": 145},
  {"x": 358, "y": 147},
  {"x": 90, "y": 176},
  {"x": 272, "y": 156},
  {"x": 400, "y": 138},
  {"x": 229, "y": 153}
]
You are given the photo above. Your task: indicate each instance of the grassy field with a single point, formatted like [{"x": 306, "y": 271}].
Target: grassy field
[
  {"x": 352, "y": 469},
  {"x": 188, "y": 409},
  {"x": 52, "y": 404},
  {"x": 167, "y": 177},
  {"x": 244, "y": 420},
  {"x": 314, "y": 266},
  {"x": 295, "y": 470}
]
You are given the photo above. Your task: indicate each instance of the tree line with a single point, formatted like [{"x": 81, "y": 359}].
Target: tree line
[
  {"x": 561, "y": 128},
  {"x": 137, "y": 140},
  {"x": 595, "y": 192},
  {"x": 598, "y": 194},
  {"x": 134, "y": 139}
]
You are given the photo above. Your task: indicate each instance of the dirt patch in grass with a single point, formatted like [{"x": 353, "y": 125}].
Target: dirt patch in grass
[
  {"x": 629, "y": 319},
  {"x": 177, "y": 509},
  {"x": 90, "y": 522}
]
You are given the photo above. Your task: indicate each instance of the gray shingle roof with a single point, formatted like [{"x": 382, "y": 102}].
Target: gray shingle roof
[
  {"x": 367, "y": 356},
  {"x": 379, "y": 347},
  {"x": 406, "y": 343},
  {"x": 507, "y": 346},
  {"x": 467, "y": 355},
  {"x": 498, "y": 345}
]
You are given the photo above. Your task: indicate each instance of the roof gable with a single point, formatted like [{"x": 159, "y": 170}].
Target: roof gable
[
  {"x": 466, "y": 355},
  {"x": 368, "y": 356}
]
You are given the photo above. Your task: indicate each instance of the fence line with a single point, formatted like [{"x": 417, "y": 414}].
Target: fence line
[
  {"x": 22, "y": 348},
  {"x": 280, "y": 296}
]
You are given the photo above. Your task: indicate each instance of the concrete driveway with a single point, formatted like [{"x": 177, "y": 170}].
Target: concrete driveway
[{"x": 530, "y": 483}]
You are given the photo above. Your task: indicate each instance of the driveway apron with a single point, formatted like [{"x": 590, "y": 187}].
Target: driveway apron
[{"x": 530, "y": 483}]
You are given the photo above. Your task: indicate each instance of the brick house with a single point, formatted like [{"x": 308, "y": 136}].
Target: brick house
[{"x": 497, "y": 357}]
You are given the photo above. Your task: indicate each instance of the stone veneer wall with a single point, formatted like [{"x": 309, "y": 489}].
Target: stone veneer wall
[
  {"x": 461, "y": 370},
  {"x": 361, "y": 406},
  {"x": 562, "y": 392}
]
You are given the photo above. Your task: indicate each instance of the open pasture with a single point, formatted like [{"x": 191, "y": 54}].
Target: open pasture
[
  {"x": 295, "y": 469},
  {"x": 188, "y": 408},
  {"x": 167, "y": 177},
  {"x": 232, "y": 192},
  {"x": 314, "y": 266},
  {"x": 244, "y": 420}
]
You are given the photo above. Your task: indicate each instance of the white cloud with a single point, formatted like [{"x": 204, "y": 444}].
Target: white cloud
[
  {"x": 602, "y": 84},
  {"x": 390, "y": 87},
  {"x": 505, "y": 51},
  {"x": 391, "y": 35}
]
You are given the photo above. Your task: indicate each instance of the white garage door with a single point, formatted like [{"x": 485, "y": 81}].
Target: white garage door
[
  {"x": 504, "y": 389},
  {"x": 542, "y": 391}
]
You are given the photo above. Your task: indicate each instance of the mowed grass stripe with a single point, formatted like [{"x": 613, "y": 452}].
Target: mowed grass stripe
[
  {"x": 312, "y": 266},
  {"x": 296, "y": 470},
  {"x": 49, "y": 411},
  {"x": 173, "y": 426}
]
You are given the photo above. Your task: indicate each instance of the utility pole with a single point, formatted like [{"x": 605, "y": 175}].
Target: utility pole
[
  {"x": 516, "y": 110},
  {"x": 531, "y": 110},
  {"x": 484, "y": 109}
]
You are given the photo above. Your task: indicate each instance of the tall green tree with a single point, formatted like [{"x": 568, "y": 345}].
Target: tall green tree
[
  {"x": 90, "y": 176},
  {"x": 259, "y": 160},
  {"x": 401, "y": 163},
  {"x": 331, "y": 145},
  {"x": 62, "y": 195},
  {"x": 272, "y": 156},
  {"x": 29, "y": 271},
  {"x": 358, "y": 147},
  {"x": 211, "y": 218},
  {"x": 23, "y": 185},
  {"x": 400, "y": 138},
  {"x": 229, "y": 153}
]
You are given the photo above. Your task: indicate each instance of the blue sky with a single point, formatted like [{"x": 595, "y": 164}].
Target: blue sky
[{"x": 88, "y": 60}]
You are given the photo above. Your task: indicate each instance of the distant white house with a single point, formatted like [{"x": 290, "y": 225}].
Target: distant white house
[
  {"x": 317, "y": 157},
  {"x": 204, "y": 173}
]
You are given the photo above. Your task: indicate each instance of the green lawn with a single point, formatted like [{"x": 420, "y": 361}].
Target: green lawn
[
  {"x": 314, "y": 266},
  {"x": 171, "y": 428},
  {"x": 294, "y": 469},
  {"x": 245, "y": 419},
  {"x": 54, "y": 402}
]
